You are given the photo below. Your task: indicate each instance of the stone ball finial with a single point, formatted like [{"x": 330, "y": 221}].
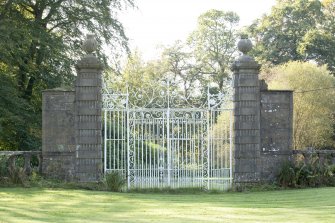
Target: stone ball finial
[
  {"x": 90, "y": 44},
  {"x": 245, "y": 44}
]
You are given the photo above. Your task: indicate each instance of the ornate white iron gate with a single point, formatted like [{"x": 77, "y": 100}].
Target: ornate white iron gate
[{"x": 167, "y": 140}]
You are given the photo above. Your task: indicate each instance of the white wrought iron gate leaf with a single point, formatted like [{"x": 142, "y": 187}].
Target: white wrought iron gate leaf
[{"x": 168, "y": 141}]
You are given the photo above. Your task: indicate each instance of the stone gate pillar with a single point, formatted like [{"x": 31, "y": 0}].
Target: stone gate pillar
[
  {"x": 88, "y": 114},
  {"x": 246, "y": 117}
]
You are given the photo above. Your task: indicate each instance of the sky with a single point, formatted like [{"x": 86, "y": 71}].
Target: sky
[{"x": 161, "y": 22}]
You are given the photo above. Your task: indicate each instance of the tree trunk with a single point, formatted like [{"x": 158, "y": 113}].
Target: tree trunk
[{"x": 29, "y": 90}]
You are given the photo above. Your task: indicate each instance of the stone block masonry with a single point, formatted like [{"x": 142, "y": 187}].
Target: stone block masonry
[
  {"x": 262, "y": 123},
  {"x": 246, "y": 118},
  {"x": 72, "y": 128},
  {"x": 88, "y": 116},
  {"x": 276, "y": 131},
  {"x": 58, "y": 135}
]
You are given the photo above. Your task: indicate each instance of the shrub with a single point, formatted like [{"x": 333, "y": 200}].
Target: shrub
[
  {"x": 10, "y": 176},
  {"x": 3, "y": 166},
  {"x": 286, "y": 177},
  {"x": 18, "y": 176},
  {"x": 115, "y": 181},
  {"x": 312, "y": 173}
]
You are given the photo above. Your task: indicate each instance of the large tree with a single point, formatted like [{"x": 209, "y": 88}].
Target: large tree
[
  {"x": 144, "y": 81},
  {"x": 181, "y": 65},
  {"x": 214, "y": 44},
  {"x": 40, "y": 40},
  {"x": 296, "y": 30},
  {"x": 18, "y": 125},
  {"x": 318, "y": 43}
]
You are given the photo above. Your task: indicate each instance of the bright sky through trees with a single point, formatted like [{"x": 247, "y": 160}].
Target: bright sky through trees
[{"x": 161, "y": 22}]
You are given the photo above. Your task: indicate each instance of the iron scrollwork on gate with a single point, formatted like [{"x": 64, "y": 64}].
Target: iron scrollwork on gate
[{"x": 170, "y": 139}]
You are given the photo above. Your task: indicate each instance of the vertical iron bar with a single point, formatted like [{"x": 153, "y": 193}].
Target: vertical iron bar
[
  {"x": 114, "y": 133},
  {"x": 110, "y": 139},
  {"x": 137, "y": 167},
  {"x": 168, "y": 146},
  {"x": 186, "y": 153},
  {"x": 182, "y": 154},
  {"x": 152, "y": 154},
  {"x": 194, "y": 163},
  {"x": 128, "y": 145},
  {"x": 105, "y": 141},
  {"x": 168, "y": 135},
  {"x": 118, "y": 141},
  {"x": 231, "y": 147},
  {"x": 142, "y": 154},
  {"x": 178, "y": 153},
  {"x": 208, "y": 140},
  {"x": 156, "y": 158},
  {"x": 198, "y": 149},
  {"x": 147, "y": 167}
]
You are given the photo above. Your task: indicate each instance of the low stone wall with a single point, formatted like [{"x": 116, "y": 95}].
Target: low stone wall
[
  {"x": 27, "y": 156},
  {"x": 276, "y": 131},
  {"x": 58, "y": 140}
]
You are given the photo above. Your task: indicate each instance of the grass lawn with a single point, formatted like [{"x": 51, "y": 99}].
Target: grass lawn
[{"x": 58, "y": 205}]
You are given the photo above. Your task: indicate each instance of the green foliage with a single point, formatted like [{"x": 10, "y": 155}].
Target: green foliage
[
  {"x": 143, "y": 80},
  {"x": 314, "y": 101},
  {"x": 19, "y": 179},
  {"x": 3, "y": 166},
  {"x": 17, "y": 176},
  {"x": 213, "y": 44},
  {"x": 286, "y": 177},
  {"x": 191, "y": 65},
  {"x": 39, "y": 42},
  {"x": 115, "y": 181},
  {"x": 259, "y": 187},
  {"x": 19, "y": 123},
  {"x": 178, "y": 60},
  {"x": 312, "y": 173},
  {"x": 296, "y": 30}
]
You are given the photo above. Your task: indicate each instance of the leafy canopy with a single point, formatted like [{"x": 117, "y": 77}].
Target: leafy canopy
[
  {"x": 296, "y": 30},
  {"x": 39, "y": 42},
  {"x": 213, "y": 44}
]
